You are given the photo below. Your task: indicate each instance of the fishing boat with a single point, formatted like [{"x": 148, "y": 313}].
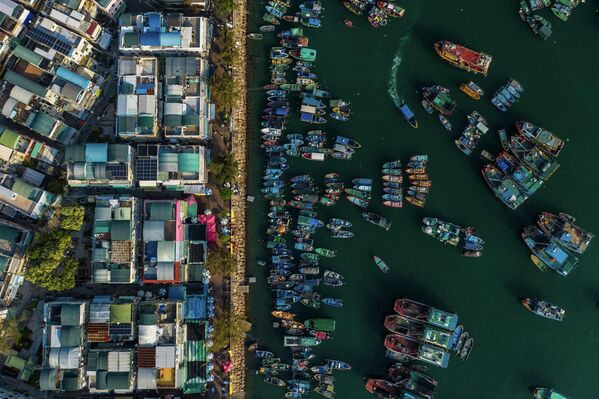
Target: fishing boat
[
  {"x": 540, "y": 26},
  {"x": 267, "y": 28},
  {"x": 339, "y": 223},
  {"x": 320, "y": 324},
  {"x": 545, "y": 139},
  {"x": 503, "y": 138},
  {"x": 337, "y": 364},
  {"x": 325, "y": 391},
  {"x": 362, "y": 203},
  {"x": 324, "y": 378},
  {"x": 463, "y": 57},
  {"x": 407, "y": 114},
  {"x": 392, "y": 164},
  {"x": 391, "y": 9},
  {"x": 304, "y": 54},
  {"x": 341, "y": 234},
  {"x": 377, "y": 17},
  {"x": 445, "y": 122},
  {"x": 538, "y": 263},
  {"x": 425, "y": 313},
  {"x": 547, "y": 393},
  {"x": 274, "y": 381},
  {"x": 384, "y": 389},
  {"x": 261, "y": 354},
  {"x": 381, "y": 264},
  {"x": 427, "y": 107},
  {"x": 377, "y": 220},
  {"x": 348, "y": 23},
  {"x": 411, "y": 348},
  {"x": 327, "y": 253},
  {"x": 255, "y": 36},
  {"x": 365, "y": 195},
  {"x": 466, "y": 349},
  {"x": 355, "y": 7},
  {"x": 562, "y": 228},
  {"x": 293, "y": 32},
  {"x": 314, "y": 156},
  {"x": 334, "y": 302},
  {"x": 347, "y": 142},
  {"x": 414, "y": 380},
  {"x": 544, "y": 309},
  {"x": 472, "y": 90},
  {"x": 438, "y": 98},
  {"x": 549, "y": 251},
  {"x": 291, "y": 341}
]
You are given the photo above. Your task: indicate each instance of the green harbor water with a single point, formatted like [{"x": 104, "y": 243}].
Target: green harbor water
[{"x": 513, "y": 349}]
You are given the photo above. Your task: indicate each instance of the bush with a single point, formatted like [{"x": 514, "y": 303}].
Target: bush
[
  {"x": 224, "y": 169},
  {"x": 226, "y": 193},
  {"x": 10, "y": 333},
  {"x": 48, "y": 267},
  {"x": 71, "y": 217},
  {"x": 58, "y": 185},
  {"x": 224, "y": 8}
]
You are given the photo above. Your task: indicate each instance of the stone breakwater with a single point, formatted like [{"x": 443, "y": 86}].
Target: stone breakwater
[{"x": 238, "y": 201}]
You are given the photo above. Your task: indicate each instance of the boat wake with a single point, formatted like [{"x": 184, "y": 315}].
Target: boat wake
[{"x": 392, "y": 86}]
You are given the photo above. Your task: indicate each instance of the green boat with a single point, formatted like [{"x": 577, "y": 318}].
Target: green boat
[
  {"x": 320, "y": 324},
  {"x": 562, "y": 10},
  {"x": 311, "y": 303},
  {"x": 362, "y": 203},
  {"x": 547, "y": 393},
  {"x": 437, "y": 337},
  {"x": 304, "y": 54},
  {"x": 292, "y": 340},
  {"x": 357, "y": 193},
  {"x": 391, "y": 171},
  {"x": 290, "y": 87},
  {"x": 310, "y": 256},
  {"x": 381, "y": 264},
  {"x": 327, "y": 253},
  {"x": 280, "y": 366}
]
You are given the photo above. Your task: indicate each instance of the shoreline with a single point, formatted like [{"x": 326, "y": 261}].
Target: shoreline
[{"x": 238, "y": 201}]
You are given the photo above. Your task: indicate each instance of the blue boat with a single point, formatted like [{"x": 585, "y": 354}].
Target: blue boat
[
  {"x": 334, "y": 302},
  {"x": 408, "y": 115},
  {"x": 549, "y": 251},
  {"x": 311, "y": 22},
  {"x": 276, "y": 93},
  {"x": 312, "y": 118},
  {"x": 274, "y": 12},
  {"x": 362, "y": 181}
]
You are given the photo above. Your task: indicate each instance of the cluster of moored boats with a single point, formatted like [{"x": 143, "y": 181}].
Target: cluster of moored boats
[
  {"x": 403, "y": 382},
  {"x": 449, "y": 233},
  {"x": 528, "y": 160},
  {"x": 476, "y": 127},
  {"x": 507, "y": 95},
  {"x": 424, "y": 333},
  {"x": 562, "y": 9},
  {"x": 378, "y": 11},
  {"x": 392, "y": 184},
  {"x": 308, "y": 14},
  {"x": 299, "y": 376},
  {"x": 554, "y": 240},
  {"x": 420, "y": 183}
]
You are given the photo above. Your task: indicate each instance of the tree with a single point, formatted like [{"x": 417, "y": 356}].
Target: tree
[
  {"x": 227, "y": 328},
  {"x": 224, "y": 169},
  {"x": 48, "y": 267},
  {"x": 223, "y": 91},
  {"x": 220, "y": 261},
  {"x": 71, "y": 217},
  {"x": 224, "y": 8},
  {"x": 10, "y": 333},
  {"x": 58, "y": 185}
]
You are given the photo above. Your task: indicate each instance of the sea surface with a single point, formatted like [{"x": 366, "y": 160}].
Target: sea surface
[{"x": 514, "y": 350}]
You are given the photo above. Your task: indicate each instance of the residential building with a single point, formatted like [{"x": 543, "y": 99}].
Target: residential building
[
  {"x": 63, "y": 345},
  {"x": 14, "y": 18},
  {"x": 58, "y": 44},
  {"x": 111, "y": 8},
  {"x": 164, "y": 246},
  {"x": 196, "y": 331},
  {"x": 160, "y": 354},
  {"x": 114, "y": 240},
  {"x": 137, "y": 107},
  {"x": 173, "y": 167},
  {"x": 23, "y": 194},
  {"x": 99, "y": 165},
  {"x": 154, "y": 32},
  {"x": 110, "y": 335},
  {"x": 7, "y": 393},
  {"x": 23, "y": 369},
  {"x": 80, "y": 17},
  {"x": 15, "y": 149},
  {"x": 185, "y": 102},
  {"x": 14, "y": 241}
]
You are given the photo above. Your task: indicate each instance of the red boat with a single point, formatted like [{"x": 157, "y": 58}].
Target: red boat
[
  {"x": 402, "y": 345},
  {"x": 270, "y": 87},
  {"x": 400, "y": 325},
  {"x": 348, "y": 23},
  {"x": 383, "y": 388},
  {"x": 464, "y": 58}
]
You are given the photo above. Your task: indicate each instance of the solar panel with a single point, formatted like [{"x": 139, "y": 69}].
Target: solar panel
[
  {"x": 117, "y": 170},
  {"x": 146, "y": 169},
  {"x": 50, "y": 41},
  {"x": 120, "y": 329}
]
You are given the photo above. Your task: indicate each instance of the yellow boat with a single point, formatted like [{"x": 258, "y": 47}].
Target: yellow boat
[
  {"x": 279, "y": 314},
  {"x": 472, "y": 90}
]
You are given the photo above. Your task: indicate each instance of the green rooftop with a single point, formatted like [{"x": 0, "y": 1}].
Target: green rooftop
[
  {"x": 120, "y": 313},
  {"x": 9, "y": 139}
]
